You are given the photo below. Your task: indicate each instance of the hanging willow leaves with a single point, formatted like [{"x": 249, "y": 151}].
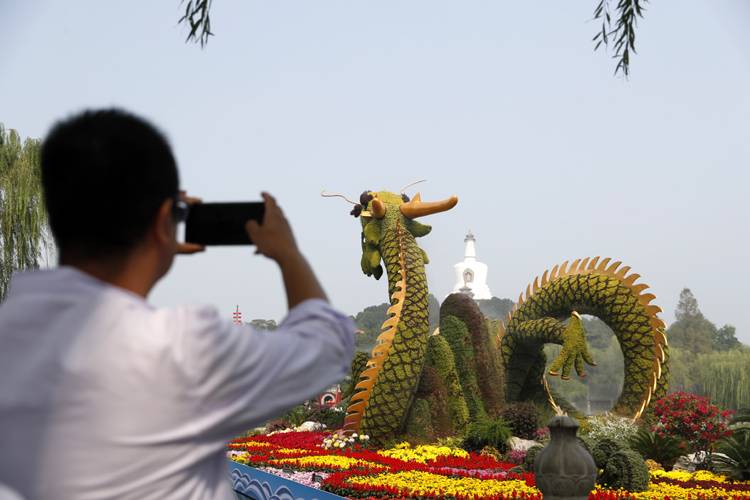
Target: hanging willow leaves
[
  {"x": 620, "y": 35},
  {"x": 23, "y": 219}
]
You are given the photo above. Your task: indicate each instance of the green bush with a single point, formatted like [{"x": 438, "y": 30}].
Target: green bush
[
  {"x": 736, "y": 462},
  {"x": 625, "y": 469},
  {"x": 531, "y": 453},
  {"x": 440, "y": 357},
  {"x": 603, "y": 450},
  {"x": 419, "y": 422},
  {"x": 487, "y": 432},
  {"x": 664, "y": 449},
  {"x": 330, "y": 417},
  {"x": 522, "y": 418}
]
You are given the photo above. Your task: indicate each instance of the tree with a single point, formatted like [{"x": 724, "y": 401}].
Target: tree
[
  {"x": 495, "y": 308},
  {"x": 23, "y": 219},
  {"x": 692, "y": 331},
  {"x": 620, "y": 34},
  {"x": 725, "y": 339},
  {"x": 687, "y": 306},
  {"x": 369, "y": 321},
  {"x": 263, "y": 324}
]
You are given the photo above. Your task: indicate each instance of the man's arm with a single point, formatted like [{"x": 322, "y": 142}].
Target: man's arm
[{"x": 275, "y": 240}]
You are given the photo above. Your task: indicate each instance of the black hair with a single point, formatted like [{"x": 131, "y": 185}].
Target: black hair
[{"x": 105, "y": 174}]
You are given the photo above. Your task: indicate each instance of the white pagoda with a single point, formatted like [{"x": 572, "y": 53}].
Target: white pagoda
[{"x": 471, "y": 275}]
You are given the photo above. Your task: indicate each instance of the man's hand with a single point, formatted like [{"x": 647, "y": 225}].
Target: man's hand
[
  {"x": 273, "y": 238},
  {"x": 189, "y": 248}
]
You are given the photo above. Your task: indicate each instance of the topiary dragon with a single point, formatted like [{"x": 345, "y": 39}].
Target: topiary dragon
[{"x": 549, "y": 312}]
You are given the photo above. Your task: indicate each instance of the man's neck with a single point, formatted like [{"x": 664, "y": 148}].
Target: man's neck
[{"x": 128, "y": 273}]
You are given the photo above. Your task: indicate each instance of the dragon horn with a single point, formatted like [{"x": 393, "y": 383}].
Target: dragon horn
[
  {"x": 418, "y": 208},
  {"x": 377, "y": 208}
]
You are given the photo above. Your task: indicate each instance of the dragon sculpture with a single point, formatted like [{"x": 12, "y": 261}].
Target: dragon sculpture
[{"x": 549, "y": 312}]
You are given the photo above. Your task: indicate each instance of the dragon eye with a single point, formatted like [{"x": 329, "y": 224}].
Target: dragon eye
[{"x": 405, "y": 198}]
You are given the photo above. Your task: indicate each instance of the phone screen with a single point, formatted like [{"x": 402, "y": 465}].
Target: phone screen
[{"x": 221, "y": 223}]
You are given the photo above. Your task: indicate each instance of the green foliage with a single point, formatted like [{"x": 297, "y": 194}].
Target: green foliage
[
  {"x": 626, "y": 470},
  {"x": 457, "y": 335},
  {"x": 734, "y": 460},
  {"x": 433, "y": 312},
  {"x": 369, "y": 321},
  {"x": 664, "y": 449},
  {"x": 723, "y": 377},
  {"x": 726, "y": 338},
  {"x": 531, "y": 453},
  {"x": 440, "y": 358},
  {"x": 264, "y": 324},
  {"x": 296, "y": 415},
  {"x": 23, "y": 219},
  {"x": 621, "y": 33},
  {"x": 487, "y": 432},
  {"x": 480, "y": 347},
  {"x": 603, "y": 449},
  {"x": 332, "y": 418},
  {"x": 432, "y": 389},
  {"x": 495, "y": 308},
  {"x": 419, "y": 421},
  {"x": 695, "y": 333},
  {"x": 522, "y": 418}
]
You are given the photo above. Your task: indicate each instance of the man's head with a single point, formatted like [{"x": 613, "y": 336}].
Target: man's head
[{"x": 110, "y": 183}]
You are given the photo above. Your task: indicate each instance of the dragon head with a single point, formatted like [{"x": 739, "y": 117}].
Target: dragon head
[{"x": 382, "y": 211}]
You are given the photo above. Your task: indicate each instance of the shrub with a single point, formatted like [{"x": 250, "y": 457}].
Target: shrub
[
  {"x": 522, "y": 418},
  {"x": 735, "y": 461},
  {"x": 609, "y": 426},
  {"x": 603, "y": 450},
  {"x": 487, "y": 432},
  {"x": 332, "y": 418},
  {"x": 531, "y": 453},
  {"x": 626, "y": 469},
  {"x": 419, "y": 423},
  {"x": 440, "y": 357},
  {"x": 691, "y": 418},
  {"x": 662, "y": 448}
]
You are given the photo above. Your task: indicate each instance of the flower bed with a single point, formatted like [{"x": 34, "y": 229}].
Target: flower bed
[{"x": 428, "y": 471}]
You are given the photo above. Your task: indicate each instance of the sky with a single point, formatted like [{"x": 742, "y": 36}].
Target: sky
[{"x": 504, "y": 104}]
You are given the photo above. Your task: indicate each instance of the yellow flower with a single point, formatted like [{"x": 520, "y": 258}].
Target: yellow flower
[
  {"x": 422, "y": 453},
  {"x": 418, "y": 483}
]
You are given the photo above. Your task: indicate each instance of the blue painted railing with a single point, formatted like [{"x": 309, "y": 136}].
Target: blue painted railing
[{"x": 255, "y": 484}]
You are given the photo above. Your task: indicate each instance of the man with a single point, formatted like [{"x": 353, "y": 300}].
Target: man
[{"x": 104, "y": 396}]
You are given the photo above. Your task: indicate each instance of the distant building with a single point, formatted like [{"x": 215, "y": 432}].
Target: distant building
[{"x": 471, "y": 275}]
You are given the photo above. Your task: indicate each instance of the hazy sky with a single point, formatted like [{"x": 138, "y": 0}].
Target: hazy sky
[{"x": 504, "y": 104}]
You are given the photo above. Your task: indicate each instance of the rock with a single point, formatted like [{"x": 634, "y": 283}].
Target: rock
[
  {"x": 690, "y": 462},
  {"x": 516, "y": 443},
  {"x": 309, "y": 426}
]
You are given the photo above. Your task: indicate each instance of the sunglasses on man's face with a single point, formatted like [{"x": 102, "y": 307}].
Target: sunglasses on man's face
[{"x": 180, "y": 210}]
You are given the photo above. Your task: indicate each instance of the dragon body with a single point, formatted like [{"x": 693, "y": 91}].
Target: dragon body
[
  {"x": 589, "y": 286},
  {"x": 549, "y": 312}
]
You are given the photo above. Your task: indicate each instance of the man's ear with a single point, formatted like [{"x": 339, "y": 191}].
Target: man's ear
[{"x": 164, "y": 226}]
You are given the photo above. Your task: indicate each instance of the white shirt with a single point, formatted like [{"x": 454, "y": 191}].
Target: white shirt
[{"x": 104, "y": 396}]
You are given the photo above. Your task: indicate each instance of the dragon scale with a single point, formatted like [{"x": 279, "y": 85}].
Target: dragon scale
[
  {"x": 595, "y": 287},
  {"x": 386, "y": 387}
]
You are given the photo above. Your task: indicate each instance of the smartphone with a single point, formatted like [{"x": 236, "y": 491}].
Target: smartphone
[{"x": 221, "y": 223}]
